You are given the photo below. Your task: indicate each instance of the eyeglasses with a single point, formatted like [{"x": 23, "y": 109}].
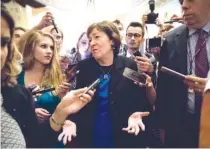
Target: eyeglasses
[{"x": 130, "y": 35}]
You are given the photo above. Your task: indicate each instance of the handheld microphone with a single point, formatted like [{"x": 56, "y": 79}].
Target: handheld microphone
[
  {"x": 172, "y": 21},
  {"x": 93, "y": 85},
  {"x": 73, "y": 77},
  {"x": 55, "y": 26},
  {"x": 43, "y": 91}
]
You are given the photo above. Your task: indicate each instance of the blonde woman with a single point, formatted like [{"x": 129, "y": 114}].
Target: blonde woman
[
  {"x": 41, "y": 67},
  {"x": 19, "y": 125}
]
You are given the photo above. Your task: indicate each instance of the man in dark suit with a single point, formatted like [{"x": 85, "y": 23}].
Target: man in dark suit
[{"x": 186, "y": 50}]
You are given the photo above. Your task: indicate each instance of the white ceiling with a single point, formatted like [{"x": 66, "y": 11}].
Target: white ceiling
[{"x": 74, "y": 16}]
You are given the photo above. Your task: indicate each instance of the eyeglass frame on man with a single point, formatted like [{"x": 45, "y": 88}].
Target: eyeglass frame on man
[{"x": 136, "y": 35}]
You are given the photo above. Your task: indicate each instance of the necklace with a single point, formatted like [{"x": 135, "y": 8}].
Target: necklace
[{"x": 106, "y": 74}]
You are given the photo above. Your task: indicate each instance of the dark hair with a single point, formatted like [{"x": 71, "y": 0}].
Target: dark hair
[
  {"x": 58, "y": 30},
  {"x": 110, "y": 30},
  {"x": 20, "y": 28},
  {"x": 136, "y": 24},
  {"x": 118, "y": 22}
]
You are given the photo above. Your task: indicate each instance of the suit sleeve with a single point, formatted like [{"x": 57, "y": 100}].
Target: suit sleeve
[{"x": 161, "y": 86}]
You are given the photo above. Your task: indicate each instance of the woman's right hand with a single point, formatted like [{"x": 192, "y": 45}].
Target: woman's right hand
[
  {"x": 42, "y": 114},
  {"x": 75, "y": 100}
]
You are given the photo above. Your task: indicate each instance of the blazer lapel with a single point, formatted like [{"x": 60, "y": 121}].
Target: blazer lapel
[
  {"x": 181, "y": 47},
  {"x": 116, "y": 73}
]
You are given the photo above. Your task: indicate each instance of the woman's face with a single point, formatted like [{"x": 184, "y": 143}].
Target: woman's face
[
  {"x": 5, "y": 41},
  {"x": 83, "y": 44},
  {"x": 100, "y": 44},
  {"x": 43, "y": 52},
  {"x": 64, "y": 62}
]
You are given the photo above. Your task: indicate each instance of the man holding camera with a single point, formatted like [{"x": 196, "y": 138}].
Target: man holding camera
[{"x": 186, "y": 49}]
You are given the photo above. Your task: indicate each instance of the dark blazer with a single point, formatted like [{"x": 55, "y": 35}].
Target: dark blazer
[
  {"x": 18, "y": 102},
  {"x": 125, "y": 98},
  {"x": 172, "y": 93}
]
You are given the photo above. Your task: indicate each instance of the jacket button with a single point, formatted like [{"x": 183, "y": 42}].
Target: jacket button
[
  {"x": 110, "y": 93},
  {"x": 14, "y": 110}
]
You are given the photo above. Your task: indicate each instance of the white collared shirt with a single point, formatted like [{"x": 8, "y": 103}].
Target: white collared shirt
[{"x": 192, "y": 40}]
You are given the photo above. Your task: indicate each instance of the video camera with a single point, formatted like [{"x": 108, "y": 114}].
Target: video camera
[{"x": 151, "y": 17}]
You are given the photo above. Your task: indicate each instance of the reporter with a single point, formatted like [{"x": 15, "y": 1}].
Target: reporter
[
  {"x": 17, "y": 102},
  {"x": 41, "y": 67}
]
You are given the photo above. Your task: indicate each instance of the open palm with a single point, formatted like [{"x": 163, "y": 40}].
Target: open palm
[{"x": 135, "y": 123}]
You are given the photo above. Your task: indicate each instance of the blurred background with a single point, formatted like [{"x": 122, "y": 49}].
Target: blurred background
[{"x": 74, "y": 16}]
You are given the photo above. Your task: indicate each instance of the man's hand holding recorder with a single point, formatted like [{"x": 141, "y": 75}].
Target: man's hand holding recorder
[{"x": 193, "y": 82}]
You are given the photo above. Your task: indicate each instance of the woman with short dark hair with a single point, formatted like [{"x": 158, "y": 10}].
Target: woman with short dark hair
[{"x": 100, "y": 123}]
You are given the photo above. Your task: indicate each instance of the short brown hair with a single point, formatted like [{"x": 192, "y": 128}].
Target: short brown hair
[
  {"x": 136, "y": 24},
  {"x": 110, "y": 30}
]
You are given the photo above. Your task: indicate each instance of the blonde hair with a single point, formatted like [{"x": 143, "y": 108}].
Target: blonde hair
[
  {"x": 12, "y": 67},
  {"x": 53, "y": 75}
]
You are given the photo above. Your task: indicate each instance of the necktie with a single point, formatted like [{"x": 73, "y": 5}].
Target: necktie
[
  {"x": 201, "y": 60},
  {"x": 201, "y": 63}
]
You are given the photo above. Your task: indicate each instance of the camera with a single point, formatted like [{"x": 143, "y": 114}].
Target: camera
[{"x": 151, "y": 17}]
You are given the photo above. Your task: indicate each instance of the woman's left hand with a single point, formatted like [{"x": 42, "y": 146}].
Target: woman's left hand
[
  {"x": 69, "y": 131},
  {"x": 135, "y": 123}
]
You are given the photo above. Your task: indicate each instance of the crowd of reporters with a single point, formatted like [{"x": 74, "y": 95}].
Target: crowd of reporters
[{"x": 45, "y": 94}]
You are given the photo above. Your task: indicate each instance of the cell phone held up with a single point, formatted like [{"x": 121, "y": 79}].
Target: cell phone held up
[
  {"x": 137, "y": 53},
  {"x": 172, "y": 73},
  {"x": 93, "y": 85},
  {"x": 43, "y": 91},
  {"x": 134, "y": 75}
]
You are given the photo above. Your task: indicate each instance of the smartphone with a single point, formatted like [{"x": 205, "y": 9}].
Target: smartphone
[
  {"x": 137, "y": 53},
  {"x": 32, "y": 87},
  {"x": 43, "y": 91},
  {"x": 71, "y": 70},
  {"x": 71, "y": 66},
  {"x": 73, "y": 76},
  {"x": 154, "y": 42},
  {"x": 172, "y": 72},
  {"x": 134, "y": 75},
  {"x": 93, "y": 85}
]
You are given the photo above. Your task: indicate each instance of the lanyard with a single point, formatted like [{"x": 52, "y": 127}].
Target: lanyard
[{"x": 190, "y": 56}]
